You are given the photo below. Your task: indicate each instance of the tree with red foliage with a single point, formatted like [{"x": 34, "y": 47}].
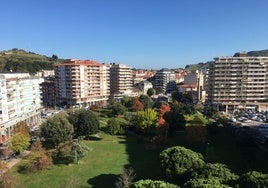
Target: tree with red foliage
[
  {"x": 162, "y": 110},
  {"x": 137, "y": 105}
]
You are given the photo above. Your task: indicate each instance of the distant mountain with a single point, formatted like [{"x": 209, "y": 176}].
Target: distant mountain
[
  {"x": 17, "y": 60},
  {"x": 258, "y": 53}
]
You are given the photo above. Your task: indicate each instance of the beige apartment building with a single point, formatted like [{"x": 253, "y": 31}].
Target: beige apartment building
[
  {"x": 121, "y": 80},
  {"x": 239, "y": 83},
  {"x": 81, "y": 83}
]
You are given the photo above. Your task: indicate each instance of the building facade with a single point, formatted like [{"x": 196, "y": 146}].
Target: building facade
[
  {"x": 20, "y": 101},
  {"x": 194, "y": 84},
  {"x": 239, "y": 83},
  {"x": 166, "y": 80},
  {"x": 144, "y": 86},
  {"x": 121, "y": 80},
  {"x": 81, "y": 83},
  {"x": 48, "y": 92}
]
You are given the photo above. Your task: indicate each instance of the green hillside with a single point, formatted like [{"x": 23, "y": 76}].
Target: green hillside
[{"x": 17, "y": 60}]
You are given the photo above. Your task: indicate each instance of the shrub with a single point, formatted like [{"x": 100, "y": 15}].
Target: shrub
[{"x": 153, "y": 184}]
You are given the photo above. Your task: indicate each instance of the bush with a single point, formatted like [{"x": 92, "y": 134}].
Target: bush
[
  {"x": 218, "y": 171},
  {"x": 113, "y": 126},
  {"x": 153, "y": 184},
  {"x": 253, "y": 179},
  {"x": 37, "y": 161}
]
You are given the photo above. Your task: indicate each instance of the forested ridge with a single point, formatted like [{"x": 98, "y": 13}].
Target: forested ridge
[{"x": 17, "y": 60}]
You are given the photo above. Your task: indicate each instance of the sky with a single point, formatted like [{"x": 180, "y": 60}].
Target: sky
[{"x": 148, "y": 34}]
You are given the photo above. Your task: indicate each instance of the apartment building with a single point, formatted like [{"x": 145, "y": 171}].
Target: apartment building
[
  {"x": 144, "y": 86},
  {"x": 20, "y": 100},
  {"x": 48, "y": 92},
  {"x": 121, "y": 80},
  {"x": 194, "y": 84},
  {"x": 81, "y": 83},
  {"x": 166, "y": 80},
  {"x": 239, "y": 83}
]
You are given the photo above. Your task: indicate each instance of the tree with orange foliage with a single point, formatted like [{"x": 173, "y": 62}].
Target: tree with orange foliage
[
  {"x": 162, "y": 110},
  {"x": 137, "y": 105}
]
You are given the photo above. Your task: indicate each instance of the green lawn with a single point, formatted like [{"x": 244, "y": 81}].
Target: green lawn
[{"x": 99, "y": 168}]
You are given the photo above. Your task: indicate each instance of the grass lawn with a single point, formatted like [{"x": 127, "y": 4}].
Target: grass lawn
[{"x": 100, "y": 168}]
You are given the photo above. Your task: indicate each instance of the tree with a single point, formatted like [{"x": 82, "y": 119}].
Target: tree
[
  {"x": 117, "y": 109},
  {"x": 87, "y": 123},
  {"x": 19, "y": 142},
  {"x": 164, "y": 108},
  {"x": 146, "y": 121},
  {"x": 125, "y": 179},
  {"x": 78, "y": 150},
  {"x": 153, "y": 184},
  {"x": 146, "y": 101},
  {"x": 218, "y": 171},
  {"x": 175, "y": 118},
  {"x": 150, "y": 92},
  {"x": 210, "y": 112},
  {"x": 54, "y": 57},
  {"x": 127, "y": 101},
  {"x": 137, "y": 105},
  {"x": 56, "y": 130},
  {"x": 177, "y": 96},
  {"x": 180, "y": 161},
  {"x": 253, "y": 179},
  {"x": 113, "y": 126},
  {"x": 38, "y": 160},
  {"x": 37, "y": 146}
]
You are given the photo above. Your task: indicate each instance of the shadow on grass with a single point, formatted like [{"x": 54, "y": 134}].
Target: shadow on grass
[
  {"x": 103, "y": 180},
  {"x": 105, "y": 129},
  {"x": 92, "y": 137},
  {"x": 222, "y": 146},
  {"x": 145, "y": 162}
]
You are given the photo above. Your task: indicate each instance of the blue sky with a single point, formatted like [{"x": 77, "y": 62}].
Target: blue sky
[{"x": 139, "y": 33}]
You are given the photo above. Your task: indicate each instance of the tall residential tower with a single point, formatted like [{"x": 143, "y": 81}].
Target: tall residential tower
[
  {"x": 81, "y": 83},
  {"x": 121, "y": 80},
  {"x": 239, "y": 83}
]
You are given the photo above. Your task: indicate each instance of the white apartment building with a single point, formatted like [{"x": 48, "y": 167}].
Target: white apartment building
[
  {"x": 239, "y": 83},
  {"x": 20, "y": 100},
  {"x": 81, "y": 83},
  {"x": 166, "y": 80},
  {"x": 121, "y": 80},
  {"x": 144, "y": 86}
]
